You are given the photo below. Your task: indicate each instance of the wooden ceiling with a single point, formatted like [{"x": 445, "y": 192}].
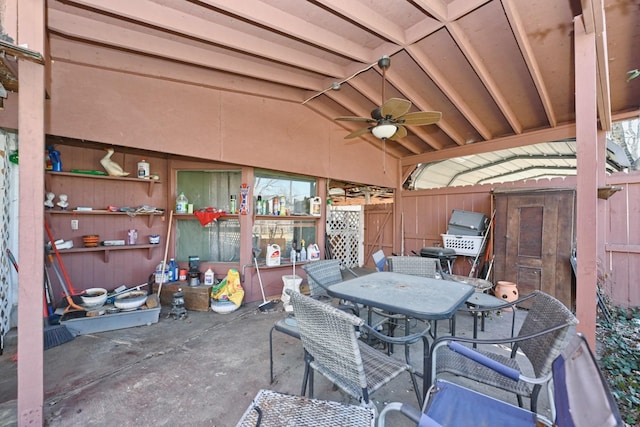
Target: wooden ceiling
[{"x": 494, "y": 68}]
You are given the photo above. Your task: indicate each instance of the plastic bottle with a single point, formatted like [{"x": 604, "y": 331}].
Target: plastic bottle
[
  {"x": 173, "y": 270},
  {"x": 276, "y": 205},
  {"x": 181, "y": 203},
  {"x": 303, "y": 253},
  {"x": 143, "y": 169},
  {"x": 292, "y": 254},
  {"x": 259, "y": 206},
  {"x": 208, "y": 277},
  {"x": 232, "y": 204},
  {"x": 283, "y": 206}
]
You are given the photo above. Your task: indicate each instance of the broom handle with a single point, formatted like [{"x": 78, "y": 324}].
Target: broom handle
[
  {"x": 166, "y": 250},
  {"x": 55, "y": 249}
]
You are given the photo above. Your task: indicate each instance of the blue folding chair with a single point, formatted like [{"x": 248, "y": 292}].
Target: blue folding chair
[{"x": 580, "y": 396}]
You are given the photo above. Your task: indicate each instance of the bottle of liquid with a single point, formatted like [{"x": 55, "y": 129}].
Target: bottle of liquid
[
  {"x": 208, "y": 277},
  {"x": 259, "y": 206},
  {"x": 173, "y": 270},
  {"x": 181, "y": 203},
  {"x": 276, "y": 205},
  {"x": 283, "y": 205},
  {"x": 292, "y": 255},
  {"x": 232, "y": 204},
  {"x": 143, "y": 169},
  {"x": 303, "y": 253}
]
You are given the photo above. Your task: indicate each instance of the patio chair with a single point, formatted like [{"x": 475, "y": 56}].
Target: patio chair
[
  {"x": 541, "y": 339},
  {"x": 332, "y": 348},
  {"x": 320, "y": 275},
  {"x": 580, "y": 396},
  {"x": 270, "y": 408}
]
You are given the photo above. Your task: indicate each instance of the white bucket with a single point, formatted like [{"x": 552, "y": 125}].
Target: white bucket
[
  {"x": 290, "y": 282},
  {"x": 273, "y": 255},
  {"x": 159, "y": 276}
]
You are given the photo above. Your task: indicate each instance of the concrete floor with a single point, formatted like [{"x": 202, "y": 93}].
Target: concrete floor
[{"x": 200, "y": 371}]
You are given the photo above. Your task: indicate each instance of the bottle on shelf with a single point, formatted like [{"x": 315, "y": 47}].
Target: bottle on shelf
[
  {"x": 181, "y": 203},
  {"x": 173, "y": 270},
  {"x": 303, "y": 253},
  {"x": 232, "y": 204},
  {"x": 259, "y": 206},
  {"x": 143, "y": 169},
  {"x": 276, "y": 206},
  {"x": 208, "y": 277},
  {"x": 292, "y": 255}
]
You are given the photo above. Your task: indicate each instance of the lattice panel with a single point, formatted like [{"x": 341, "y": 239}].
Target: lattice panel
[
  {"x": 342, "y": 236},
  {"x": 5, "y": 278}
]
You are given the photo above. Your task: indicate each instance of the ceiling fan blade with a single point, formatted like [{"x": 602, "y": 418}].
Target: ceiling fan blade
[
  {"x": 355, "y": 119},
  {"x": 357, "y": 133},
  {"x": 420, "y": 118},
  {"x": 395, "y": 107},
  {"x": 400, "y": 133}
]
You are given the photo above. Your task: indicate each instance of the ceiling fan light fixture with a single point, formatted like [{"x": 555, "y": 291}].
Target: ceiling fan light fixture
[{"x": 384, "y": 131}]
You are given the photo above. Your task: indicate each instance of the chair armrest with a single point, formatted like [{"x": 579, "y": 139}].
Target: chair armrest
[
  {"x": 403, "y": 340},
  {"x": 405, "y": 409},
  {"x": 484, "y": 360},
  {"x": 445, "y": 340},
  {"x": 509, "y": 340},
  {"x": 498, "y": 307}
]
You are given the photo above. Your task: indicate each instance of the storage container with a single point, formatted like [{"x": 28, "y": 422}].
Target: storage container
[
  {"x": 465, "y": 223},
  {"x": 463, "y": 245}
]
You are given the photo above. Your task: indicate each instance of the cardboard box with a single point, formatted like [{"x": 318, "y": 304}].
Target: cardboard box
[{"x": 196, "y": 298}]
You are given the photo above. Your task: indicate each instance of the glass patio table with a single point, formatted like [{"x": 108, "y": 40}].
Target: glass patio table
[{"x": 413, "y": 296}]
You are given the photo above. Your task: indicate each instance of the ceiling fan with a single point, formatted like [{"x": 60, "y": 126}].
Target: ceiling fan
[{"x": 389, "y": 120}]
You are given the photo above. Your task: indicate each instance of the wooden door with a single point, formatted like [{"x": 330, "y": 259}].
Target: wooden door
[
  {"x": 533, "y": 238},
  {"x": 378, "y": 231}
]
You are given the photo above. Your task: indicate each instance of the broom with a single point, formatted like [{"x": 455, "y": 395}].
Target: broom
[{"x": 54, "y": 335}]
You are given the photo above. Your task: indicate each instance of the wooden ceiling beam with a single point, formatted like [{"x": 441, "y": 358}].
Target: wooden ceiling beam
[
  {"x": 427, "y": 65},
  {"x": 169, "y": 19},
  {"x": 484, "y": 75},
  {"x": 272, "y": 17},
  {"x": 552, "y": 134},
  {"x": 520, "y": 35},
  {"x": 122, "y": 38}
]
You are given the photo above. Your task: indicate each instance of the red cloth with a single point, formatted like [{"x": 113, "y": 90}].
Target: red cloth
[{"x": 205, "y": 216}]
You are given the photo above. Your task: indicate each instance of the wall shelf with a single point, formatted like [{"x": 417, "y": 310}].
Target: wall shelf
[
  {"x": 73, "y": 212},
  {"x": 150, "y": 182},
  {"x": 108, "y": 249}
]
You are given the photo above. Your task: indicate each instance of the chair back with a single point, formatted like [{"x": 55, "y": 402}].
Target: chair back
[
  {"x": 416, "y": 266},
  {"x": 545, "y": 313},
  {"x": 321, "y": 274},
  {"x": 329, "y": 336},
  {"x": 581, "y": 393},
  {"x": 379, "y": 259}
]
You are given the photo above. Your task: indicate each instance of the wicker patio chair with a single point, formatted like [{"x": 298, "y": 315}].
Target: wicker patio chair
[
  {"x": 541, "y": 339},
  {"x": 321, "y": 274},
  {"x": 415, "y": 265},
  {"x": 580, "y": 396},
  {"x": 332, "y": 348},
  {"x": 272, "y": 409}
]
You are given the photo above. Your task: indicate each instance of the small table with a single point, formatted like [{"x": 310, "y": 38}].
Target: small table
[{"x": 413, "y": 296}]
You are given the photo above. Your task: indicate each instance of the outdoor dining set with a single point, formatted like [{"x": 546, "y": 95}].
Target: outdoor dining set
[{"x": 351, "y": 330}]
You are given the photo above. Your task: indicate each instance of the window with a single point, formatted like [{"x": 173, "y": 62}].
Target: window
[
  {"x": 287, "y": 230},
  {"x": 218, "y": 241}
]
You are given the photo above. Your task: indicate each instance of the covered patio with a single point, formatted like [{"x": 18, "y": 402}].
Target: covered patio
[
  {"x": 198, "y": 371},
  {"x": 259, "y": 84}
]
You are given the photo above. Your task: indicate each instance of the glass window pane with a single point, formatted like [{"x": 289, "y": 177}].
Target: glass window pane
[
  {"x": 296, "y": 190},
  {"x": 209, "y": 188},
  {"x": 218, "y": 241},
  {"x": 284, "y": 233}
]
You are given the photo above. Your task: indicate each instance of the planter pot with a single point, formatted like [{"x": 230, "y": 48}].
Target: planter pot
[{"x": 507, "y": 291}]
